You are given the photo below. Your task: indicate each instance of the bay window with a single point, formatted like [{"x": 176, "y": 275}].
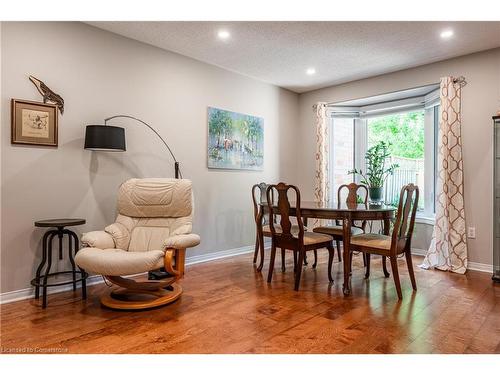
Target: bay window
[{"x": 408, "y": 121}]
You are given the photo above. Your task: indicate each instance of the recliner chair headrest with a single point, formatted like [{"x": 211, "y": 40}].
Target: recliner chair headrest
[{"x": 155, "y": 197}]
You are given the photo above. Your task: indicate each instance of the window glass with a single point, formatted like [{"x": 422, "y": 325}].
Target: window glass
[
  {"x": 413, "y": 136},
  {"x": 342, "y": 153},
  {"x": 405, "y": 134}
]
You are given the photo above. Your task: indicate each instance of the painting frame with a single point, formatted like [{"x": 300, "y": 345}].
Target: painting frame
[
  {"x": 244, "y": 133},
  {"x": 34, "y": 123}
]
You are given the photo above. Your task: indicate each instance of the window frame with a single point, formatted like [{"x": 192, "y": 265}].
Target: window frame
[
  {"x": 430, "y": 105},
  {"x": 333, "y": 191}
]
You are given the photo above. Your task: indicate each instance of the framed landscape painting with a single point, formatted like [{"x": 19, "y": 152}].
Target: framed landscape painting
[{"x": 235, "y": 140}]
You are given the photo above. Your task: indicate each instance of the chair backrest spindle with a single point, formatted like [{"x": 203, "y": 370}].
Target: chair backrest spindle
[
  {"x": 352, "y": 195},
  {"x": 283, "y": 210},
  {"x": 261, "y": 199},
  {"x": 352, "y": 198},
  {"x": 405, "y": 219}
]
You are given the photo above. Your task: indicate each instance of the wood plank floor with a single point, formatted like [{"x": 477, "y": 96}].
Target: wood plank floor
[{"x": 227, "y": 307}]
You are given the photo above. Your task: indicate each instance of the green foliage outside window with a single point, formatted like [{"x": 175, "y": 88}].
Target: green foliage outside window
[{"x": 404, "y": 131}]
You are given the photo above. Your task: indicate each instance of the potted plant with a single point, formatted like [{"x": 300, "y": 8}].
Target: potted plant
[{"x": 376, "y": 170}]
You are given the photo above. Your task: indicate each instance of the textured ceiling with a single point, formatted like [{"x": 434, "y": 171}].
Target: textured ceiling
[{"x": 280, "y": 52}]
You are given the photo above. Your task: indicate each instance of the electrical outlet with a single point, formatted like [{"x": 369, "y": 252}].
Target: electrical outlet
[{"x": 471, "y": 232}]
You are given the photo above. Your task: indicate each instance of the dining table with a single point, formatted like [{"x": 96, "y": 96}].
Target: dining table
[{"x": 345, "y": 212}]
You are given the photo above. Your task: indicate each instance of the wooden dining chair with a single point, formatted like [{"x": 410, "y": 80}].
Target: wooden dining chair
[
  {"x": 337, "y": 231},
  {"x": 283, "y": 236},
  {"x": 399, "y": 242},
  {"x": 261, "y": 215}
]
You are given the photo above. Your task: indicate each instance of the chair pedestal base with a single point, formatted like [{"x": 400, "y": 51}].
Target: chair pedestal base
[{"x": 127, "y": 299}]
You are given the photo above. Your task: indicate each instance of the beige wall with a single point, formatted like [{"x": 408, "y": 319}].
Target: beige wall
[
  {"x": 481, "y": 100},
  {"x": 100, "y": 74}
]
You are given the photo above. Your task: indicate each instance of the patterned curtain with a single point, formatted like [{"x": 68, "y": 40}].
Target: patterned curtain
[
  {"x": 321, "y": 180},
  {"x": 448, "y": 249}
]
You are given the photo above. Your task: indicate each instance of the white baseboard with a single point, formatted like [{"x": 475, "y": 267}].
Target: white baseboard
[
  {"x": 17, "y": 295},
  {"x": 221, "y": 254},
  {"x": 420, "y": 252},
  {"x": 27, "y": 293},
  {"x": 473, "y": 266}
]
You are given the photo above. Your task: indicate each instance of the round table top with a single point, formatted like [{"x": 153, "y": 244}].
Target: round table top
[
  {"x": 59, "y": 222},
  {"x": 342, "y": 207}
]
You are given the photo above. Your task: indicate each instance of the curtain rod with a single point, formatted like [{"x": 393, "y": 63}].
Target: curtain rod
[{"x": 460, "y": 80}]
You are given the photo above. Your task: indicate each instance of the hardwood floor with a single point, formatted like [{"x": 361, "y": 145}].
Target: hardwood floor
[{"x": 227, "y": 307}]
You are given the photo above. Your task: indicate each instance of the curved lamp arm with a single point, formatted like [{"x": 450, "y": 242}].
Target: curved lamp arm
[{"x": 177, "y": 170}]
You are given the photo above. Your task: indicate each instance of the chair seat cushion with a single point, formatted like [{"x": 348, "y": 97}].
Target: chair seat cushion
[
  {"x": 118, "y": 262},
  {"x": 336, "y": 230},
  {"x": 311, "y": 238},
  {"x": 377, "y": 241},
  {"x": 266, "y": 230}
]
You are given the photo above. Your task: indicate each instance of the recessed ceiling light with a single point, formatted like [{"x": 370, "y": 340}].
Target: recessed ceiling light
[
  {"x": 310, "y": 71},
  {"x": 446, "y": 34},
  {"x": 223, "y": 34}
]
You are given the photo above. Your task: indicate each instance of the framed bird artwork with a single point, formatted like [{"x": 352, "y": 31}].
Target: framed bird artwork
[{"x": 33, "y": 123}]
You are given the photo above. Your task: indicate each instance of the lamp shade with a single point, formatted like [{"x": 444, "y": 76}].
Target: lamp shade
[{"x": 104, "y": 138}]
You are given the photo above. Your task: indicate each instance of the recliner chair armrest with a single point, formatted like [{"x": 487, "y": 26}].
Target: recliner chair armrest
[
  {"x": 99, "y": 239},
  {"x": 120, "y": 235},
  {"x": 181, "y": 241}
]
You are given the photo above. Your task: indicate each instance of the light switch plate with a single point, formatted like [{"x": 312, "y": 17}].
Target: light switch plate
[{"x": 471, "y": 232}]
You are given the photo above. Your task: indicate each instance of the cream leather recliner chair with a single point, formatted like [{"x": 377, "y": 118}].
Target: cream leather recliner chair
[{"x": 152, "y": 230}]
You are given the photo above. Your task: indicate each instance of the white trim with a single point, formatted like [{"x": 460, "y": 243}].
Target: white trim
[
  {"x": 481, "y": 267},
  {"x": 222, "y": 254},
  {"x": 473, "y": 266},
  {"x": 17, "y": 295},
  {"x": 429, "y": 162},
  {"x": 378, "y": 109},
  {"x": 433, "y": 98},
  {"x": 420, "y": 252},
  {"x": 425, "y": 220}
]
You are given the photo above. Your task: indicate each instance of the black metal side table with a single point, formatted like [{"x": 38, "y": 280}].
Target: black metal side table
[{"x": 41, "y": 281}]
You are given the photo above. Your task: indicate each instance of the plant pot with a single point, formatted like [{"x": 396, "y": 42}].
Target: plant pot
[{"x": 375, "y": 194}]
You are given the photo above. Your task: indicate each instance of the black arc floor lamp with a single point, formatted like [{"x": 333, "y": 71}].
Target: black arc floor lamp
[{"x": 112, "y": 138}]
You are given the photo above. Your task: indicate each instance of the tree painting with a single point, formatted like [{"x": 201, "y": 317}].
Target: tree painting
[{"x": 235, "y": 140}]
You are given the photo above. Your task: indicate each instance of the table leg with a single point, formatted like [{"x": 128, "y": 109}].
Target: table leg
[
  {"x": 387, "y": 228},
  {"x": 346, "y": 223}
]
